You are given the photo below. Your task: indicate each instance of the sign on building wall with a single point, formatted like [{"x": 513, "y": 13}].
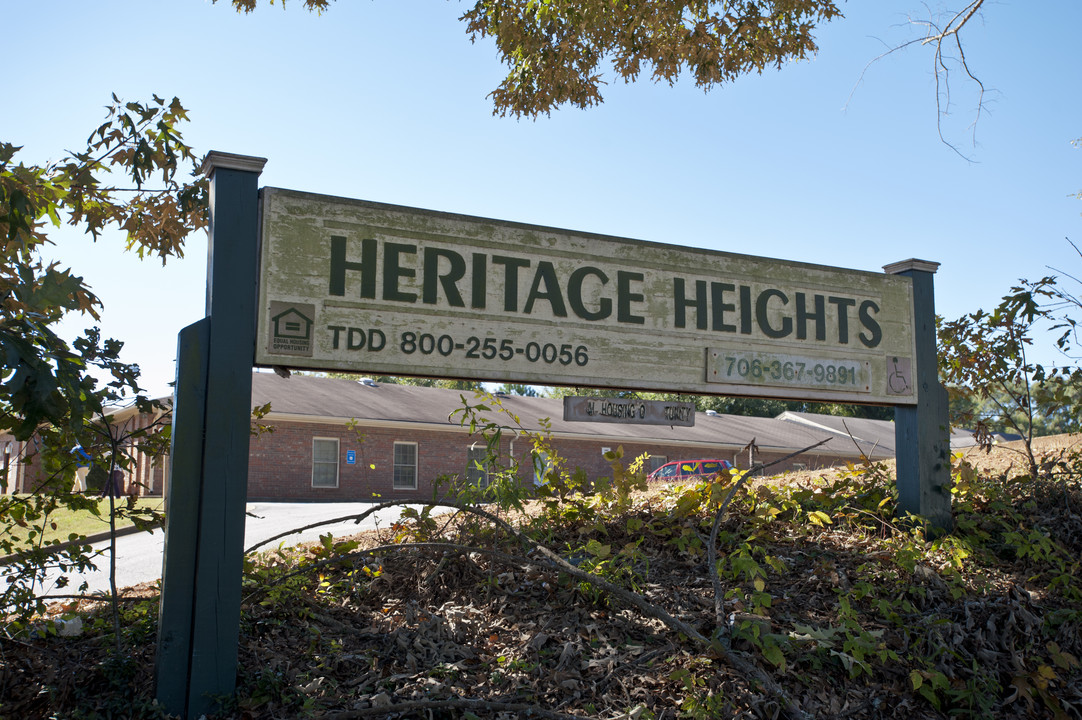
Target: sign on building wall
[
  {"x": 629, "y": 411},
  {"x": 365, "y": 287}
]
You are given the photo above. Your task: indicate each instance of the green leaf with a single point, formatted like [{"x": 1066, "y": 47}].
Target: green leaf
[
  {"x": 598, "y": 550},
  {"x": 774, "y": 655},
  {"x": 916, "y": 679}
]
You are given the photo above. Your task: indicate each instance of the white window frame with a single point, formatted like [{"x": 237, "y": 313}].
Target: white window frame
[
  {"x": 541, "y": 467},
  {"x": 337, "y": 464},
  {"x": 477, "y": 470},
  {"x": 395, "y": 465}
]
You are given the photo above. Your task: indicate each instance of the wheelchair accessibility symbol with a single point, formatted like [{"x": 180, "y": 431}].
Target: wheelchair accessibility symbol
[{"x": 899, "y": 376}]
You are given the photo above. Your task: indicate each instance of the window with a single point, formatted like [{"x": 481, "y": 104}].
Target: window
[
  {"x": 656, "y": 461},
  {"x": 476, "y": 468},
  {"x": 325, "y": 462},
  {"x": 405, "y": 466},
  {"x": 713, "y": 467},
  {"x": 668, "y": 472},
  {"x": 541, "y": 467}
]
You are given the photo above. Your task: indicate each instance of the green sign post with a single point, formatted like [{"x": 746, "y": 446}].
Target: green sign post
[
  {"x": 198, "y": 626},
  {"x": 922, "y": 431}
]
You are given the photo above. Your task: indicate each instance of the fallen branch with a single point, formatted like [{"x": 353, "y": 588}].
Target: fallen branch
[
  {"x": 386, "y": 710},
  {"x": 98, "y": 598},
  {"x": 357, "y": 518}
]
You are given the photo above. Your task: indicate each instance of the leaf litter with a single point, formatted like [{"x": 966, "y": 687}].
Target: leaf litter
[{"x": 857, "y": 617}]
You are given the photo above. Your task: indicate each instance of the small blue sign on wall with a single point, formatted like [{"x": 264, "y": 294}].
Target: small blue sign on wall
[{"x": 351, "y": 457}]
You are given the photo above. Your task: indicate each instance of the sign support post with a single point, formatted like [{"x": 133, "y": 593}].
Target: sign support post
[
  {"x": 922, "y": 431},
  {"x": 201, "y": 582},
  {"x": 182, "y": 519}
]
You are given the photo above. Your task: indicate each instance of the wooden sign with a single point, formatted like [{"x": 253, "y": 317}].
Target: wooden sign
[{"x": 353, "y": 285}]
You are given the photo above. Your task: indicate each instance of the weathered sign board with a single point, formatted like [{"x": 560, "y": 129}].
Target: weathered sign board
[
  {"x": 354, "y": 285},
  {"x": 629, "y": 411}
]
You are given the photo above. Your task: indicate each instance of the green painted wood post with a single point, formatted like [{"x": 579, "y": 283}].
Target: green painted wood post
[
  {"x": 172, "y": 666},
  {"x": 922, "y": 431},
  {"x": 232, "y": 276},
  {"x": 218, "y": 544}
]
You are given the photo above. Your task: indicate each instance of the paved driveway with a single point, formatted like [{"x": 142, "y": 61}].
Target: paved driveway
[{"x": 139, "y": 555}]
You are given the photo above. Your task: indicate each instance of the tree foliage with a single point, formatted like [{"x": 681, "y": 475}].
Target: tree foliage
[
  {"x": 445, "y": 383},
  {"x": 46, "y": 380},
  {"x": 521, "y": 389},
  {"x": 556, "y": 50},
  {"x": 1063, "y": 307},
  {"x": 986, "y": 361},
  {"x": 54, "y": 393},
  {"x": 998, "y": 413}
]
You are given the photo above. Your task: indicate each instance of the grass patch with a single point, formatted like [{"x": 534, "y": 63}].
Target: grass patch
[{"x": 64, "y": 521}]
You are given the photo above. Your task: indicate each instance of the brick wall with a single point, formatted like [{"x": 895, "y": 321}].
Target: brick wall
[
  {"x": 280, "y": 462},
  {"x": 144, "y": 474}
]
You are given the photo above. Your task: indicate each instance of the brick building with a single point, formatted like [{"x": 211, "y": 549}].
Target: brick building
[
  {"x": 142, "y": 474},
  {"x": 346, "y": 440},
  {"x": 353, "y": 440}
]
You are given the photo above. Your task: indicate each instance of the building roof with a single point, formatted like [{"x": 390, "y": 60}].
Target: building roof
[
  {"x": 879, "y": 432},
  {"x": 316, "y": 399}
]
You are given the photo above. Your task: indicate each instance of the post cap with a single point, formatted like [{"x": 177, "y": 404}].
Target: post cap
[
  {"x": 911, "y": 264},
  {"x": 231, "y": 161}
]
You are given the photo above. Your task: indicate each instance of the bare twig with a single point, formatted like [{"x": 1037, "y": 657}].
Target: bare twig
[
  {"x": 856, "y": 443},
  {"x": 937, "y": 36}
]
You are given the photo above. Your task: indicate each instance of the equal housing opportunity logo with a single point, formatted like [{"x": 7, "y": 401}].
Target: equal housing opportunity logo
[{"x": 291, "y": 328}]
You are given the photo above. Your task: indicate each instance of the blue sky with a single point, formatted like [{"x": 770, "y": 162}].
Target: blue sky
[{"x": 385, "y": 100}]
